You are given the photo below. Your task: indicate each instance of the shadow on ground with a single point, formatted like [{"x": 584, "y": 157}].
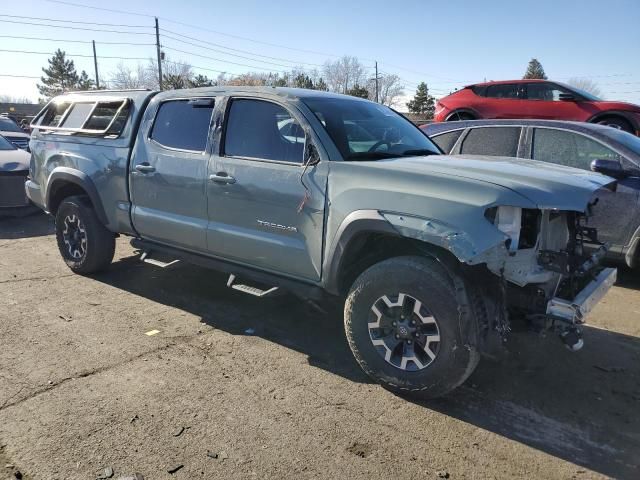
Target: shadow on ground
[
  {"x": 35, "y": 225},
  {"x": 581, "y": 407}
]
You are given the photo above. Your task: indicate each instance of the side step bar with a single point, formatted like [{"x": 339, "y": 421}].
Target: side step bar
[
  {"x": 146, "y": 257},
  {"x": 255, "y": 291}
]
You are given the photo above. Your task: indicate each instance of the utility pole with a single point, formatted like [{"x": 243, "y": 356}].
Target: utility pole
[
  {"x": 376, "y": 81},
  {"x": 159, "y": 55},
  {"x": 95, "y": 64}
]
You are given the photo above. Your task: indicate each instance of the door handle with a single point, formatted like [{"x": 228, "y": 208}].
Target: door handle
[
  {"x": 145, "y": 168},
  {"x": 222, "y": 177}
]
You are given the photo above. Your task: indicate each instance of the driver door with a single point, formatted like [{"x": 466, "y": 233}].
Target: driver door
[{"x": 265, "y": 208}]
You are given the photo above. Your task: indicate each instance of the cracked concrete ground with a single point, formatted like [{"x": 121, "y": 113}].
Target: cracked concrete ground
[{"x": 83, "y": 388}]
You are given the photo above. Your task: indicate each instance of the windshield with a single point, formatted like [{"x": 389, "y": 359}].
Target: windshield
[
  {"x": 8, "y": 125},
  {"x": 584, "y": 93},
  {"x": 367, "y": 131},
  {"x": 6, "y": 144},
  {"x": 625, "y": 139}
]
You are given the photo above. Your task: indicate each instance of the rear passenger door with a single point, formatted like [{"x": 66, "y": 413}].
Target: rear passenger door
[
  {"x": 494, "y": 141},
  {"x": 168, "y": 173},
  {"x": 506, "y": 101},
  {"x": 265, "y": 208},
  {"x": 446, "y": 141}
]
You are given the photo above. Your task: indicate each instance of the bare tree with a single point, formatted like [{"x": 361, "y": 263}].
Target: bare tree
[
  {"x": 344, "y": 74},
  {"x": 390, "y": 89},
  {"x": 126, "y": 77},
  {"x": 586, "y": 84},
  {"x": 12, "y": 99}
]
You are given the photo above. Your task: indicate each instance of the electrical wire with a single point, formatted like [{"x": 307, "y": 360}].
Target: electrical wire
[
  {"x": 77, "y": 41},
  {"x": 79, "y": 55},
  {"x": 76, "y": 28},
  {"x": 77, "y": 21}
]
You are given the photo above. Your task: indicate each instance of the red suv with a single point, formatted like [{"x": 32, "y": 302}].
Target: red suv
[{"x": 535, "y": 99}]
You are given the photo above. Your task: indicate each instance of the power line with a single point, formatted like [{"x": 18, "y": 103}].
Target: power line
[
  {"x": 224, "y": 60},
  {"x": 99, "y": 8},
  {"x": 73, "y": 55},
  {"x": 16, "y": 76},
  {"x": 229, "y": 48},
  {"x": 76, "y": 21},
  {"x": 74, "y": 41},
  {"x": 74, "y": 28}
]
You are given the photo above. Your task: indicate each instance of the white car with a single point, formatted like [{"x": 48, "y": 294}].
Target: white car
[
  {"x": 12, "y": 132},
  {"x": 14, "y": 168}
]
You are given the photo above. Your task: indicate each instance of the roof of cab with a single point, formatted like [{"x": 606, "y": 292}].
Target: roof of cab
[{"x": 286, "y": 92}]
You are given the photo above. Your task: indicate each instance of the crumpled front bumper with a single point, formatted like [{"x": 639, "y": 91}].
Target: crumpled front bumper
[{"x": 575, "y": 311}]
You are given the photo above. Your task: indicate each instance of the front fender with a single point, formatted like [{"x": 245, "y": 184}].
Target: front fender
[
  {"x": 61, "y": 176},
  {"x": 466, "y": 247}
]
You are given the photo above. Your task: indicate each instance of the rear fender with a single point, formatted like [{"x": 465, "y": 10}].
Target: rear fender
[{"x": 62, "y": 176}]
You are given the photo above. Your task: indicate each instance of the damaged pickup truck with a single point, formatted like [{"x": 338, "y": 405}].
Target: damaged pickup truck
[{"x": 327, "y": 196}]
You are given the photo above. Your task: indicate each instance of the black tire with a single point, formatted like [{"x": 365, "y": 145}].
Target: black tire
[
  {"x": 617, "y": 122},
  {"x": 92, "y": 248},
  {"x": 460, "y": 116},
  {"x": 425, "y": 280}
]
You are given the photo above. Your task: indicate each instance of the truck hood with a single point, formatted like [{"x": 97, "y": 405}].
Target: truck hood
[{"x": 547, "y": 185}]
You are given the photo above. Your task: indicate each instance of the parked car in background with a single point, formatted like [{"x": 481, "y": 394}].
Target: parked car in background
[
  {"x": 580, "y": 145},
  {"x": 10, "y": 130},
  {"x": 541, "y": 99},
  {"x": 14, "y": 168}
]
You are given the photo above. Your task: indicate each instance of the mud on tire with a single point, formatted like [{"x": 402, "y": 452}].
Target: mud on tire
[
  {"x": 84, "y": 242},
  {"x": 406, "y": 329}
]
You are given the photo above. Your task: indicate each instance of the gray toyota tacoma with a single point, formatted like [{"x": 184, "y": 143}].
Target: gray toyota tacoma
[{"x": 329, "y": 197}]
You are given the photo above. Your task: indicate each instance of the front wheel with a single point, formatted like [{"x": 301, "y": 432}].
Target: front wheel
[
  {"x": 84, "y": 242},
  {"x": 406, "y": 329}
]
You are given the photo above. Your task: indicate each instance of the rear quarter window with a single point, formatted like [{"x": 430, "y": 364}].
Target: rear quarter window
[
  {"x": 495, "y": 141},
  {"x": 446, "y": 141}
]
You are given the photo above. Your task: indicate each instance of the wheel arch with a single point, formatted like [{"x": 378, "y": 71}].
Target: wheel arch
[
  {"x": 366, "y": 237},
  {"x": 65, "y": 182},
  {"x": 614, "y": 114},
  {"x": 465, "y": 110}
]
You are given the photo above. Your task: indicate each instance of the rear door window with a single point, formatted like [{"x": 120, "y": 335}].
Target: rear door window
[
  {"x": 263, "y": 130},
  {"x": 183, "y": 124},
  {"x": 501, "y": 141},
  {"x": 569, "y": 148},
  {"x": 506, "y": 90},
  {"x": 446, "y": 141},
  {"x": 544, "y": 91}
]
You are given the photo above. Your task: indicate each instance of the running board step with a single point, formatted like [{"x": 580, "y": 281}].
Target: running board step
[
  {"x": 146, "y": 257},
  {"x": 255, "y": 291}
]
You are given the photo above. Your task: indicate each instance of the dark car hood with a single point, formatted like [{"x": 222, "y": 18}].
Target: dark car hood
[{"x": 547, "y": 185}]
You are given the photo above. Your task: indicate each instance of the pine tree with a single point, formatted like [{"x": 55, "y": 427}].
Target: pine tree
[
  {"x": 422, "y": 103},
  {"x": 84, "y": 82},
  {"x": 534, "y": 70},
  {"x": 200, "y": 81},
  {"x": 61, "y": 76},
  {"x": 358, "y": 91},
  {"x": 320, "y": 84},
  {"x": 302, "y": 81}
]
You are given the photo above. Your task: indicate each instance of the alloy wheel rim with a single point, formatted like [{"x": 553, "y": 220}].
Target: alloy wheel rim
[
  {"x": 404, "y": 332},
  {"x": 74, "y": 236}
]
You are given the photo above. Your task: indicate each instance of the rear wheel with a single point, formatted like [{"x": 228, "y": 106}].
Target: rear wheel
[
  {"x": 84, "y": 242},
  {"x": 617, "y": 122},
  {"x": 405, "y": 327},
  {"x": 455, "y": 116}
]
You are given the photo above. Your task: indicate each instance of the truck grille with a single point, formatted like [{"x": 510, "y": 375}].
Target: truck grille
[
  {"x": 12, "y": 191},
  {"x": 19, "y": 142}
]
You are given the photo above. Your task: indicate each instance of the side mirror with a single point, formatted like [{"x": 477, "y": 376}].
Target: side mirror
[
  {"x": 611, "y": 168},
  {"x": 567, "y": 97}
]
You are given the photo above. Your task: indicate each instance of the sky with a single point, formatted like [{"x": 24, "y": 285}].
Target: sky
[{"x": 447, "y": 44}]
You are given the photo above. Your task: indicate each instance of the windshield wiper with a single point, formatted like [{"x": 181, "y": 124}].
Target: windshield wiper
[
  {"x": 422, "y": 152},
  {"x": 371, "y": 156}
]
